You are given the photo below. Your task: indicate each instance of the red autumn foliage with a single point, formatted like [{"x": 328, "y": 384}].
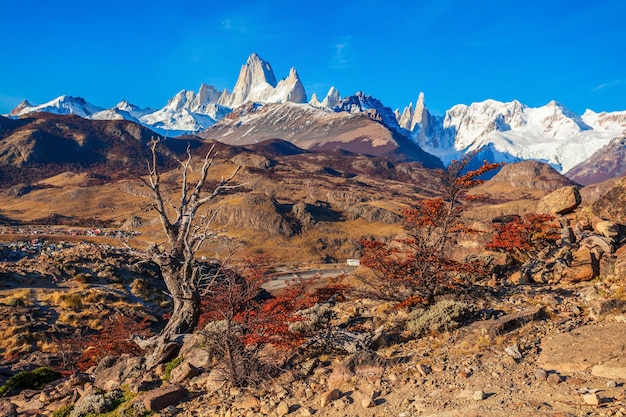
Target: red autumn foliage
[
  {"x": 524, "y": 237},
  {"x": 417, "y": 267},
  {"x": 113, "y": 340},
  {"x": 243, "y": 318},
  {"x": 260, "y": 318}
]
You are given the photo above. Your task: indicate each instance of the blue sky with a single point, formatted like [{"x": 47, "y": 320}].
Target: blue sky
[{"x": 454, "y": 51}]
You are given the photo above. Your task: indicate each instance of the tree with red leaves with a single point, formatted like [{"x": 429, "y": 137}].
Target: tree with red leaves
[
  {"x": 243, "y": 323},
  {"x": 415, "y": 268},
  {"x": 524, "y": 237}
]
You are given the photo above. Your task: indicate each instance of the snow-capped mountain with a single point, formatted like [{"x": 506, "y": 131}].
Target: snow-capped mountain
[
  {"x": 513, "y": 131},
  {"x": 188, "y": 111},
  {"x": 607, "y": 162},
  {"x": 60, "y": 105},
  {"x": 605, "y": 121},
  {"x": 122, "y": 111},
  {"x": 505, "y": 132}
]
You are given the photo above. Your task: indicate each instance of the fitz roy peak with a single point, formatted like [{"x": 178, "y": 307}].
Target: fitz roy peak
[{"x": 257, "y": 83}]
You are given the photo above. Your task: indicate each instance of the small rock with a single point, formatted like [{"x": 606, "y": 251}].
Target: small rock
[
  {"x": 576, "y": 381},
  {"x": 611, "y": 384},
  {"x": 306, "y": 412},
  {"x": 309, "y": 366},
  {"x": 329, "y": 397},
  {"x": 513, "y": 351},
  {"x": 592, "y": 399},
  {"x": 340, "y": 404},
  {"x": 466, "y": 393},
  {"x": 282, "y": 409},
  {"x": 183, "y": 372},
  {"x": 541, "y": 375},
  {"x": 423, "y": 369},
  {"x": 247, "y": 402},
  {"x": 554, "y": 379},
  {"x": 478, "y": 395},
  {"x": 367, "y": 403}
]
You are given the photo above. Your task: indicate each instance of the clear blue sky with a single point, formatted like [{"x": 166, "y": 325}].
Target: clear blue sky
[{"x": 455, "y": 51}]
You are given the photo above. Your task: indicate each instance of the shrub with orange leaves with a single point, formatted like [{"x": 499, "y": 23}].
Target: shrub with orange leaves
[
  {"x": 114, "y": 339},
  {"x": 415, "y": 268},
  {"x": 524, "y": 237}
]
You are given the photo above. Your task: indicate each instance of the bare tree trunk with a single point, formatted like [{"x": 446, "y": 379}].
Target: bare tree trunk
[
  {"x": 184, "y": 235},
  {"x": 230, "y": 358},
  {"x": 185, "y": 313}
]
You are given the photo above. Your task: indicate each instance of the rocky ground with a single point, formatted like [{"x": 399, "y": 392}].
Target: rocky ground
[
  {"x": 547, "y": 351},
  {"x": 546, "y": 340}
]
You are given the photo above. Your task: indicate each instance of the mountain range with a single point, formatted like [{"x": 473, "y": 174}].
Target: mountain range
[{"x": 260, "y": 107}]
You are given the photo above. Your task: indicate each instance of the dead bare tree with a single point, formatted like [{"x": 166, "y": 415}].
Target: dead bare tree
[{"x": 185, "y": 230}]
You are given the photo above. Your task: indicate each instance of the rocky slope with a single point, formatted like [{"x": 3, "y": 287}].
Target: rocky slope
[
  {"x": 607, "y": 162},
  {"x": 42, "y": 145},
  {"x": 318, "y": 129}
]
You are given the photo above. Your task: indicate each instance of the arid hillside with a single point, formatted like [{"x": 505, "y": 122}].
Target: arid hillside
[{"x": 505, "y": 300}]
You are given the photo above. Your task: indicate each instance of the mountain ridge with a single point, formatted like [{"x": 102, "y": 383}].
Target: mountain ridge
[{"x": 505, "y": 131}]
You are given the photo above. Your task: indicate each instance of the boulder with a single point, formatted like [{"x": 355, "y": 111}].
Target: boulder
[
  {"x": 607, "y": 229},
  {"x": 613, "y": 266},
  {"x": 112, "y": 373},
  {"x": 596, "y": 348},
  {"x": 7, "y": 408},
  {"x": 561, "y": 201},
  {"x": 597, "y": 244},
  {"x": 508, "y": 322},
  {"x": 163, "y": 397},
  {"x": 584, "y": 266},
  {"x": 183, "y": 372}
]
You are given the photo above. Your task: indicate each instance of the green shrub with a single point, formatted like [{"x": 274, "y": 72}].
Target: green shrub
[
  {"x": 73, "y": 301},
  {"x": 36, "y": 379},
  {"x": 442, "y": 316},
  {"x": 63, "y": 411},
  {"x": 170, "y": 367},
  {"x": 14, "y": 302}
]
